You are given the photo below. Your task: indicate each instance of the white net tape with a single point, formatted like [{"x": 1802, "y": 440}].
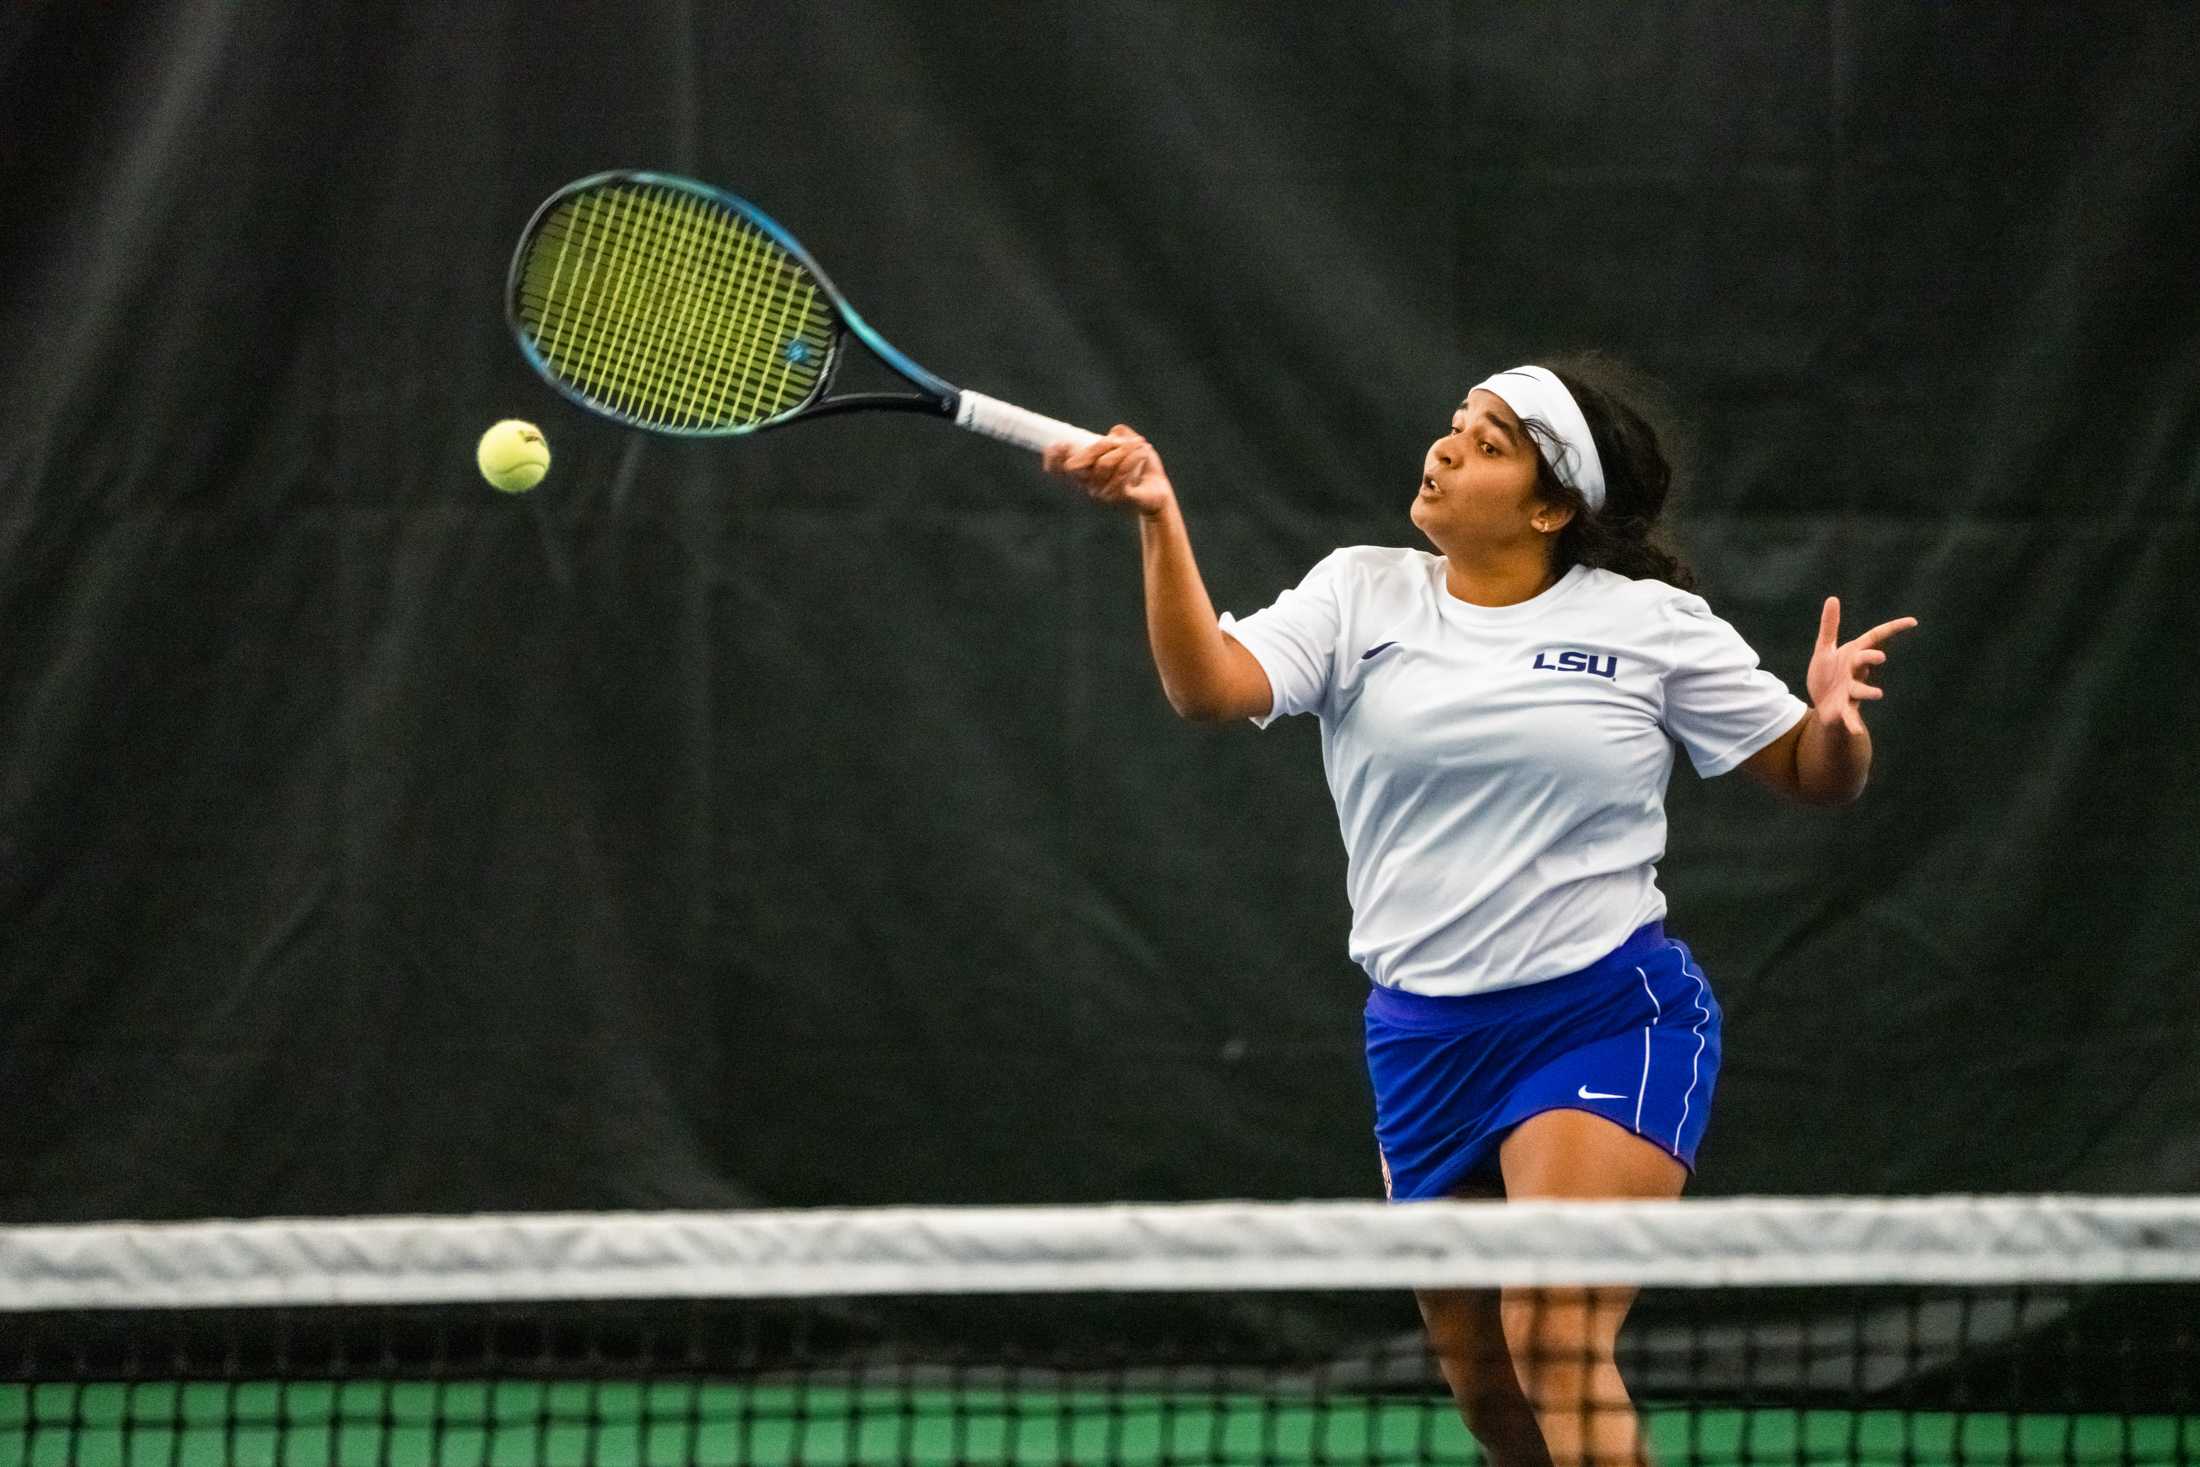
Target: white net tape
[{"x": 1202, "y": 1246}]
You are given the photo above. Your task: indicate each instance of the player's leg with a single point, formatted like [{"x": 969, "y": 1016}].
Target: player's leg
[
  {"x": 1466, "y": 1332},
  {"x": 1562, "y": 1340}
]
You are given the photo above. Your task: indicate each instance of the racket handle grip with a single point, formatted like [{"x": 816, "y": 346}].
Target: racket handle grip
[{"x": 1012, "y": 424}]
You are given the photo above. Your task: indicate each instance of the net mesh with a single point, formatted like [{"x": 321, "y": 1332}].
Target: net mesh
[
  {"x": 666, "y": 308},
  {"x": 2039, "y": 1332}
]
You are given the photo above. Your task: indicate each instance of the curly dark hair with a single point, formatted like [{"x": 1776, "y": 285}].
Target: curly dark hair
[{"x": 1638, "y": 455}]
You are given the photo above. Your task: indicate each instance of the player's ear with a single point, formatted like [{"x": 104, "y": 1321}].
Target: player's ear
[{"x": 1549, "y": 519}]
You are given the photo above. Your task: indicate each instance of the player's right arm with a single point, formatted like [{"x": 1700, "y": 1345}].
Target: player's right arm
[{"x": 1208, "y": 676}]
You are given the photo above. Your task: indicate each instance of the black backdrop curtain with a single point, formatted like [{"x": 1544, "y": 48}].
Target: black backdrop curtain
[{"x": 797, "y": 820}]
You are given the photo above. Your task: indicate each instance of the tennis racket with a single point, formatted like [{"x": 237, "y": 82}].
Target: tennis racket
[{"x": 666, "y": 304}]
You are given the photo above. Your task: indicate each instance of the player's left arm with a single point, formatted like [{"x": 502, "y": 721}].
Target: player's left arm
[{"x": 1826, "y": 758}]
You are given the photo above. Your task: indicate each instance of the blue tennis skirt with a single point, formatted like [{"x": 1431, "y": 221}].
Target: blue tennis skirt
[{"x": 1634, "y": 1037}]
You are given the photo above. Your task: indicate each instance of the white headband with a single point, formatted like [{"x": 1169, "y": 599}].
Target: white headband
[{"x": 1536, "y": 392}]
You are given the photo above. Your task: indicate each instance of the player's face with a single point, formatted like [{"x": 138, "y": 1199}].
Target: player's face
[{"x": 1478, "y": 479}]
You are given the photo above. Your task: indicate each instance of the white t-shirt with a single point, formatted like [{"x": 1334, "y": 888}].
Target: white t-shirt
[{"x": 1500, "y": 771}]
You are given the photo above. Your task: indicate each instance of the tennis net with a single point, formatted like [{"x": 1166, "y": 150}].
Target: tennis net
[{"x": 1794, "y": 1331}]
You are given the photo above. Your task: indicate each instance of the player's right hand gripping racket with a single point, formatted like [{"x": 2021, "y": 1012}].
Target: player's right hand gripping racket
[{"x": 669, "y": 305}]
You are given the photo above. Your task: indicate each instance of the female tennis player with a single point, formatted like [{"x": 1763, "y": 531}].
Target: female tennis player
[{"x": 1498, "y": 720}]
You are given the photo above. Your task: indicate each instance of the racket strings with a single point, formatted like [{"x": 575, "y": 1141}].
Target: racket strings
[
  {"x": 671, "y": 310},
  {"x": 640, "y": 341},
  {"x": 641, "y": 353}
]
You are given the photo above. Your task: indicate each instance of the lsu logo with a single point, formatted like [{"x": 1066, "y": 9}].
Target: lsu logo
[{"x": 1569, "y": 660}]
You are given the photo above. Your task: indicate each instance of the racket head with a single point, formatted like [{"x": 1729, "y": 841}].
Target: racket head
[{"x": 666, "y": 304}]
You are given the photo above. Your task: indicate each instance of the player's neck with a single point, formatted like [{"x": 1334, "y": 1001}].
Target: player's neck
[{"x": 1499, "y": 579}]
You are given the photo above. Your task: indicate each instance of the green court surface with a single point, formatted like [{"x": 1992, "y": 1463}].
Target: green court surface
[{"x": 627, "y": 1424}]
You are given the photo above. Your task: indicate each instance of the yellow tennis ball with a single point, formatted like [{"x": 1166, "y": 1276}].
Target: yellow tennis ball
[{"x": 513, "y": 455}]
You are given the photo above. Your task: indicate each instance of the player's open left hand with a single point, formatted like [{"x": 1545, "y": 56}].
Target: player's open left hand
[
  {"x": 1840, "y": 676},
  {"x": 1121, "y": 469}
]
